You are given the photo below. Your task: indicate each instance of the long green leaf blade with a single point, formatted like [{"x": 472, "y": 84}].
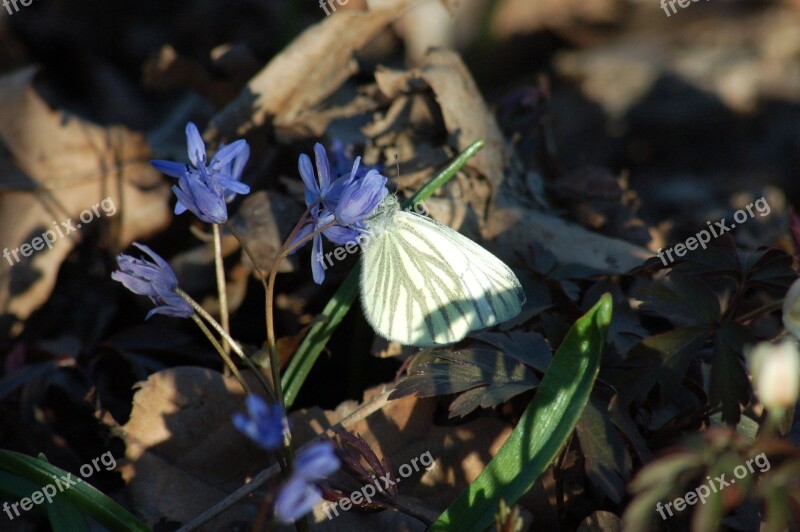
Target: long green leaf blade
[
  {"x": 63, "y": 515},
  {"x": 88, "y": 499},
  {"x": 336, "y": 309},
  {"x": 543, "y": 429}
]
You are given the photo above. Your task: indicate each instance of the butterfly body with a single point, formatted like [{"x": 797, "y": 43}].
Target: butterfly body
[{"x": 424, "y": 284}]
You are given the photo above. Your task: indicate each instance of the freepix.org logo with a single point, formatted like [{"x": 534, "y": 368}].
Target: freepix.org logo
[
  {"x": 60, "y": 230},
  {"x": 59, "y": 485}
]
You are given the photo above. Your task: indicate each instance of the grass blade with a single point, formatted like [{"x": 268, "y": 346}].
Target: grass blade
[
  {"x": 23, "y": 474},
  {"x": 543, "y": 429}
]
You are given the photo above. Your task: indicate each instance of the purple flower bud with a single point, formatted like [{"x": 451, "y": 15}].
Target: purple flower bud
[
  {"x": 155, "y": 280},
  {"x": 295, "y": 499},
  {"x": 264, "y": 423},
  {"x": 317, "y": 461}
]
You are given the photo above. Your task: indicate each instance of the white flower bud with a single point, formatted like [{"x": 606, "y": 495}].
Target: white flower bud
[{"x": 776, "y": 373}]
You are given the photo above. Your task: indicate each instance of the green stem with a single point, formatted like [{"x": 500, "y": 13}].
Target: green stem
[
  {"x": 233, "y": 343},
  {"x": 766, "y": 309},
  {"x": 284, "y": 252},
  {"x": 221, "y": 288},
  {"x": 225, "y": 356}
]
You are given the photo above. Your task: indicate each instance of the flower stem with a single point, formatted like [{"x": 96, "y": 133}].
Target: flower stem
[
  {"x": 284, "y": 252},
  {"x": 766, "y": 309},
  {"x": 225, "y": 356},
  {"x": 221, "y": 288},
  {"x": 233, "y": 344}
]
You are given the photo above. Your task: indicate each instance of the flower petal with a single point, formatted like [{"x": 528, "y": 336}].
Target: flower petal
[
  {"x": 227, "y": 152},
  {"x": 323, "y": 167},
  {"x": 317, "y": 268},
  {"x": 171, "y": 168},
  {"x": 307, "y": 175},
  {"x": 195, "y": 145},
  {"x": 295, "y": 499},
  {"x": 318, "y": 461}
]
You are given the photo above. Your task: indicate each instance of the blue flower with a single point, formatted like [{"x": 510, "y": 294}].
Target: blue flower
[
  {"x": 344, "y": 201},
  {"x": 264, "y": 424},
  {"x": 153, "y": 279},
  {"x": 295, "y": 499},
  {"x": 317, "y": 461},
  {"x": 360, "y": 198},
  {"x": 299, "y": 494},
  {"x": 205, "y": 188}
]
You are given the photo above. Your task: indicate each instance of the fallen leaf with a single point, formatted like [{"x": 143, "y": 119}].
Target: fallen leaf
[
  {"x": 185, "y": 455},
  {"x": 65, "y": 166},
  {"x": 309, "y": 70}
]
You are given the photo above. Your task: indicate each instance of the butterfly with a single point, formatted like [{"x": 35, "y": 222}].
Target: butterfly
[{"x": 424, "y": 284}]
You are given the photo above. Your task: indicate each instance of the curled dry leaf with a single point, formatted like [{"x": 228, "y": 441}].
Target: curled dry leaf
[
  {"x": 309, "y": 70},
  {"x": 184, "y": 454},
  {"x": 464, "y": 111},
  {"x": 65, "y": 166}
]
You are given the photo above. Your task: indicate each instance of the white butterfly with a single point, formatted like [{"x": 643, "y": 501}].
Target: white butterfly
[{"x": 424, "y": 284}]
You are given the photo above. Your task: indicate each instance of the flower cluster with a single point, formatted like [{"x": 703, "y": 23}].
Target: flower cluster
[
  {"x": 265, "y": 425},
  {"x": 204, "y": 188},
  {"x": 153, "y": 279},
  {"x": 337, "y": 204}
]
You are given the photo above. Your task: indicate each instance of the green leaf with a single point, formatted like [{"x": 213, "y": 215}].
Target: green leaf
[
  {"x": 662, "y": 358},
  {"x": 543, "y": 429},
  {"x": 488, "y": 376},
  {"x": 729, "y": 385},
  {"x": 336, "y": 309},
  {"x": 21, "y": 475},
  {"x": 63, "y": 515},
  {"x": 684, "y": 300},
  {"x": 606, "y": 460}
]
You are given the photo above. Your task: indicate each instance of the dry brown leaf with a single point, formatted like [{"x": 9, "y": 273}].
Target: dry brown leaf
[
  {"x": 309, "y": 70},
  {"x": 65, "y": 165},
  {"x": 403, "y": 430},
  {"x": 511, "y": 228},
  {"x": 516, "y": 17},
  {"x": 183, "y": 452},
  {"x": 185, "y": 455},
  {"x": 465, "y": 113}
]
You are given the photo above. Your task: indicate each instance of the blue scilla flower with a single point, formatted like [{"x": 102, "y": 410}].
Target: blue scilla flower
[
  {"x": 316, "y": 462},
  {"x": 205, "y": 187},
  {"x": 153, "y": 279},
  {"x": 344, "y": 201},
  {"x": 299, "y": 494},
  {"x": 264, "y": 423},
  {"x": 295, "y": 499}
]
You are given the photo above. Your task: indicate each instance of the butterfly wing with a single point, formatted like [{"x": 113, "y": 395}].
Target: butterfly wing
[{"x": 424, "y": 284}]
